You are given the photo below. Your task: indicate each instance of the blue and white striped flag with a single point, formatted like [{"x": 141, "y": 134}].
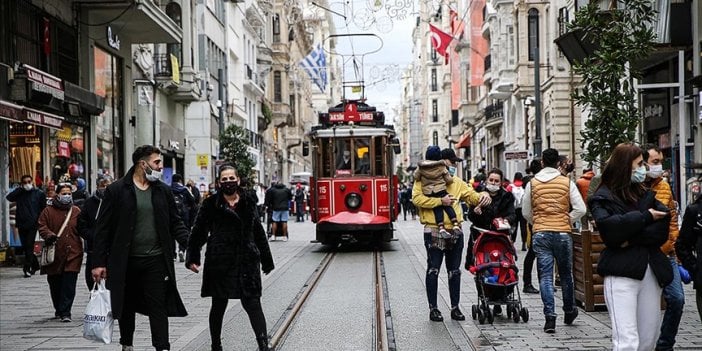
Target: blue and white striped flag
[{"x": 316, "y": 66}]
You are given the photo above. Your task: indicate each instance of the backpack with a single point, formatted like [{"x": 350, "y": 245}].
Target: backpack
[
  {"x": 518, "y": 193},
  {"x": 180, "y": 205}
]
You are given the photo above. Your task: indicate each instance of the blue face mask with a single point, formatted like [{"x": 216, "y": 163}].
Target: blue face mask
[
  {"x": 452, "y": 170},
  {"x": 639, "y": 175}
]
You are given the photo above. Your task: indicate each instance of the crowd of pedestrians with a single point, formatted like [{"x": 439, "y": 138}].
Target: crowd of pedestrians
[{"x": 630, "y": 204}]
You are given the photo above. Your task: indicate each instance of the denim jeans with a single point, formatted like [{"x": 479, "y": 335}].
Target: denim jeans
[
  {"x": 453, "y": 268},
  {"x": 550, "y": 246},
  {"x": 674, "y": 299}
]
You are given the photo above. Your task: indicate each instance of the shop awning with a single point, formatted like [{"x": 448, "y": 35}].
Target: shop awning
[
  {"x": 88, "y": 101},
  {"x": 464, "y": 142},
  {"x": 10, "y": 111}
]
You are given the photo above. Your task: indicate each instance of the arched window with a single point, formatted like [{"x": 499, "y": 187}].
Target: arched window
[
  {"x": 174, "y": 12},
  {"x": 435, "y": 138},
  {"x": 533, "y": 40}
]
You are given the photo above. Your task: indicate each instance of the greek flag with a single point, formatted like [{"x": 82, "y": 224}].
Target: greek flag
[{"x": 316, "y": 66}]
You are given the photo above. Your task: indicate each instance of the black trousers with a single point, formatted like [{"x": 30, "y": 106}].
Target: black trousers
[
  {"x": 252, "y": 306},
  {"x": 528, "y": 264},
  {"x": 27, "y": 237},
  {"x": 88, "y": 271},
  {"x": 145, "y": 285},
  {"x": 63, "y": 292}
]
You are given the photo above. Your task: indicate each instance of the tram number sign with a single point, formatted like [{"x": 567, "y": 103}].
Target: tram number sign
[{"x": 516, "y": 155}]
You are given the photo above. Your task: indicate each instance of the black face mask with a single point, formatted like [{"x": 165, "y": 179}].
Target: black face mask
[{"x": 229, "y": 188}]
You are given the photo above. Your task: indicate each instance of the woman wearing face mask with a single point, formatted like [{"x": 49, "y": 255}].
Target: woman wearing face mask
[
  {"x": 86, "y": 225},
  {"x": 62, "y": 274},
  {"x": 237, "y": 250},
  {"x": 502, "y": 206},
  {"x": 633, "y": 226}
]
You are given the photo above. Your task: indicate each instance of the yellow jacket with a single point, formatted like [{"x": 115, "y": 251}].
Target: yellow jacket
[
  {"x": 458, "y": 189},
  {"x": 665, "y": 196}
]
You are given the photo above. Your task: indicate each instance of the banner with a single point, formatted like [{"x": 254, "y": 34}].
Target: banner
[
  {"x": 316, "y": 66},
  {"x": 479, "y": 46},
  {"x": 457, "y": 27}
]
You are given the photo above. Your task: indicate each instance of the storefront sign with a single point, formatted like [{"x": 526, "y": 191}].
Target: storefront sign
[
  {"x": 112, "y": 40},
  {"x": 42, "y": 119},
  {"x": 655, "y": 110},
  {"x": 10, "y": 111},
  {"x": 45, "y": 83},
  {"x": 203, "y": 160}
]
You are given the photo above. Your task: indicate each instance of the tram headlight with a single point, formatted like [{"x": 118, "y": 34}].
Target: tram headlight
[{"x": 353, "y": 201}]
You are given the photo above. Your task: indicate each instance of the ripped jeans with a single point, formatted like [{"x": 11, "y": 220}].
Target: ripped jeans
[{"x": 435, "y": 257}]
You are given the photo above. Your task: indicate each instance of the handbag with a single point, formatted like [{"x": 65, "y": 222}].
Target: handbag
[
  {"x": 98, "y": 322},
  {"x": 48, "y": 252}
]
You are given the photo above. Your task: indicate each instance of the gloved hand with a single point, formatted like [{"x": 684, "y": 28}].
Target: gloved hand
[
  {"x": 684, "y": 274},
  {"x": 267, "y": 269},
  {"x": 51, "y": 240}
]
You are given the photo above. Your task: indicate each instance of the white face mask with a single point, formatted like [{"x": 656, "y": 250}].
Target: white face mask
[
  {"x": 655, "y": 171},
  {"x": 27, "y": 187},
  {"x": 492, "y": 188},
  {"x": 152, "y": 175}
]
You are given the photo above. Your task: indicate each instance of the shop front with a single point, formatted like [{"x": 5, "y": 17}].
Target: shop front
[{"x": 172, "y": 145}]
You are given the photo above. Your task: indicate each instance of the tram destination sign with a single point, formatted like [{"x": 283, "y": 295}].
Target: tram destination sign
[{"x": 516, "y": 155}]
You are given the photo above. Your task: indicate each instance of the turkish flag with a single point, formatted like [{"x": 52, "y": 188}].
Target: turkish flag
[{"x": 440, "y": 40}]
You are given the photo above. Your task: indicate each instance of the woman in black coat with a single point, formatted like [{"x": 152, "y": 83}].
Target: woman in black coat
[
  {"x": 688, "y": 247},
  {"x": 237, "y": 249},
  {"x": 633, "y": 226}
]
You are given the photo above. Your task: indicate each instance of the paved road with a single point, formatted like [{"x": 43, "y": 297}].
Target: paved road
[{"x": 25, "y": 309}]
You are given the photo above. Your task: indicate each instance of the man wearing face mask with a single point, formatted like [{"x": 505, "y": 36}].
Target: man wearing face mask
[
  {"x": 87, "y": 222},
  {"x": 552, "y": 204},
  {"x": 134, "y": 245},
  {"x": 672, "y": 293},
  {"x": 30, "y": 201}
]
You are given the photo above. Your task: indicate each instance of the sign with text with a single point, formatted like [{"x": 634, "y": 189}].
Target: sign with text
[{"x": 516, "y": 155}]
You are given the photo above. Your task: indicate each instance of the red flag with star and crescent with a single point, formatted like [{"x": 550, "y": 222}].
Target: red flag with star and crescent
[{"x": 440, "y": 40}]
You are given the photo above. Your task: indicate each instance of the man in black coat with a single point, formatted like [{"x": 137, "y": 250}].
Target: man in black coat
[
  {"x": 87, "y": 221},
  {"x": 278, "y": 199},
  {"x": 186, "y": 206},
  {"x": 135, "y": 253},
  {"x": 30, "y": 201}
]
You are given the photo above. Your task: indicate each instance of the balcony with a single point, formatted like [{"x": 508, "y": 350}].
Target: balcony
[
  {"x": 252, "y": 81},
  {"x": 281, "y": 114},
  {"x": 494, "y": 114},
  {"x": 142, "y": 21}
]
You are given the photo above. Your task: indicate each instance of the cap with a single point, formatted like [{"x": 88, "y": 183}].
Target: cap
[
  {"x": 433, "y": 153},
  {"x": 449, "y": 154}
]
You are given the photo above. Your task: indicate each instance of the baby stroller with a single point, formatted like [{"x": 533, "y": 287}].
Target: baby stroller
[{"x": 495, "y": 271}]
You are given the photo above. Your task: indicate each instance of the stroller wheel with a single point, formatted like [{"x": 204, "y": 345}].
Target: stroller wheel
[
  {"x": 481, "y": 317},
  {"x": 525, "y": 314},
  {"x": 515, "y": 314},
  {"x": 509, "y": 310},
  {"x": 488, "y": 315},
  {"x": 474, "y": 311}
]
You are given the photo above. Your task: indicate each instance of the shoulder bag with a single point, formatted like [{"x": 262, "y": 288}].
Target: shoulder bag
[{"x": 48, "y": 252}]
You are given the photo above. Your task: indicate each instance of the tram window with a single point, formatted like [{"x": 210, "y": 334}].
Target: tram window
[
  {"x": 380, "y": 152},
  {"x": 326, "y": 156}
]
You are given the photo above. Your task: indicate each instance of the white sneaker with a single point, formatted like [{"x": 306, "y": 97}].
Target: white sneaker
[
  {"x": 285, "y": 238},
  {"x": 443, "y": 233}
]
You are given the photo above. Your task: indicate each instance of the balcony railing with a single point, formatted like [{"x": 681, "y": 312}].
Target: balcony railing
[{"x": 494, "y": 111}]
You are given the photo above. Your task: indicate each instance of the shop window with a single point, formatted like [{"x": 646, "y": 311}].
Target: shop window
[
  {"x": 277, "y": 87},
  {"x": 108, "y": 126}
]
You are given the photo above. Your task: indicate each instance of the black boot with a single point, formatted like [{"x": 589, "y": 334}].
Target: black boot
[
  {"x": 217, "y": 346},
  {"x": 263, "y": 343}
]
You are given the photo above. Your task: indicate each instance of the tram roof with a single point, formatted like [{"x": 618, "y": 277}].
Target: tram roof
[{"x": 349, "y": 131}]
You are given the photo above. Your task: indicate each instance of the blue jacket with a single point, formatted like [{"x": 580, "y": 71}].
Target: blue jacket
[{"x": 29, "y": 206}]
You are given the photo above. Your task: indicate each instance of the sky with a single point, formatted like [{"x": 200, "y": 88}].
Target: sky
[{"x": 391, "y": 20}]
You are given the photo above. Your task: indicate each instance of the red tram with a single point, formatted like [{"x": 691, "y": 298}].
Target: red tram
[{"x": 353, "y": 192}]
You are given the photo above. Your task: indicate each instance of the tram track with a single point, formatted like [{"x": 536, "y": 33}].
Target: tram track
[{"x": 382, "y": 333}]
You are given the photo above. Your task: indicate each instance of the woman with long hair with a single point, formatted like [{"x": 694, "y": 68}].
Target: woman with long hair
[
  {"x": 237, "y": 250},
  {"x": 58, "y": 225},
  {"x": 633, "y": 226}
]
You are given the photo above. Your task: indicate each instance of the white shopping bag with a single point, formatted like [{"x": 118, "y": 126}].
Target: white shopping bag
[{"x": 98, "y": 322}]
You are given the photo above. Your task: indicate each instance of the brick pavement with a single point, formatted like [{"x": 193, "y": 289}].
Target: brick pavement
[{"x": 26, "y": 312}]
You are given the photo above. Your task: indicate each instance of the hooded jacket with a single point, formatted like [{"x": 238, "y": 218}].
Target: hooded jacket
[
  {"x": 433, "y": 175},
  {"x": 583, "y": 183},
  {"x": 663, "y": 194},
  {"x": 425, "y": 204},
  {"x": 545, "y": 176}
]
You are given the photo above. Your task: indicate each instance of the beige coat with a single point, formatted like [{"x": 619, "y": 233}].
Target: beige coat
[{"x": 433, "y": 175}]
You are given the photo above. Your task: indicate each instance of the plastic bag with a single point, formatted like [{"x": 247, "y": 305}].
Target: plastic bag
[{"x": 98, "y": 322}]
